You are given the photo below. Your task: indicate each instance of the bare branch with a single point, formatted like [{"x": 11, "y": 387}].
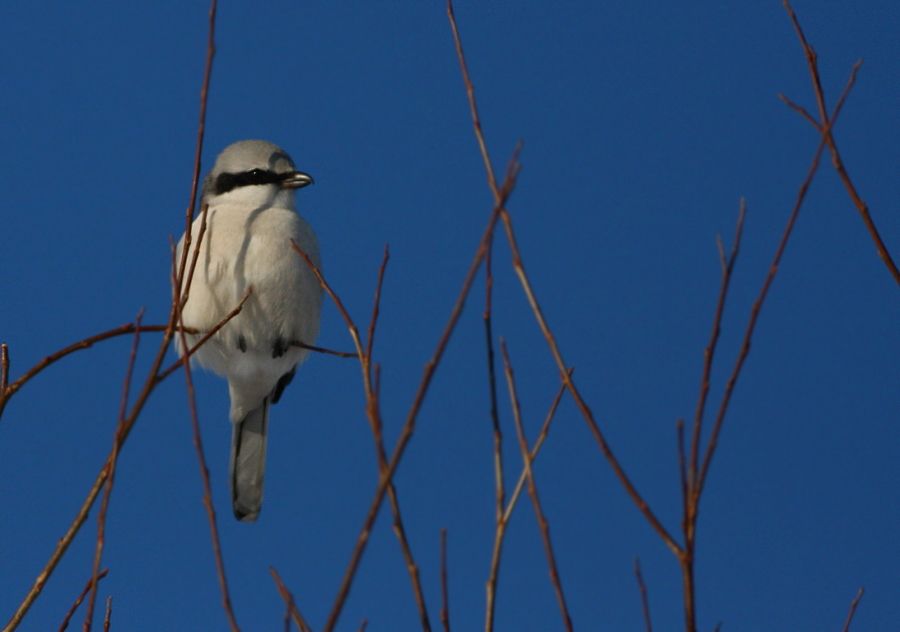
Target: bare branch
[
  {"x": 764, "y": 290},
  {"x": 212, "y": 332},
  {"x": 376, "y": 303},
  {"x": 710, "y": 351},
  {"x": 289, "y": 601},
  {"x": 544, "y": 526},
  {"x": 107, "y": 616},
  {"x": 519, "y": 267},
  {"x": 642, "y": 587},
  {"x": 373, "y": 414},
  {"x": 852, "y": 612},
  {"x": 825, "y": 128},
  {"x": 4, "y": 369},
  {"x": 104, "y": 505},
  {"x": 87, "y": 587},
  {"x": 204, "y": 470},
  {"x": 445, "y": 598},
  {"x": 410, "y": 423},
  {"x": 63, "y": 543}
]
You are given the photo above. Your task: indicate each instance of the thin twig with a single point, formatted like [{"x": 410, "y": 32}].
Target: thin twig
[
  {"x": 376, "y": 303},
  {"x": 541, "y": 517},
  {"x": 63, "y": 543},
  {"x": 374, "y": 416},
  {"x": 764, "y": 290},
  {"x": 852, "y": 612},
  {"x": 689, "y": 475},
  {"x": 519, "y": 267},
  {"x": 710, "y": 351},
  {"x": 802, "y": 111},
  {"x": 87, "y": 587},
  {"x": 209, "y": 334},
  {"x": 198, "y": 155},
  {"x": 836, "y": 160},
  {"x": 686, "y": 555},
  {"x": 323, "y": 350},
  {"x": 104, "y": 504},
  {"x": 186, "y": 289},
  {"x": 497, "y": 434},
  {"x": 682, "y": 473},
  {"x": 204, "y": 472},
  {"x": 645, "y": 602},
  {"x": 107, "y": 616},
  {"x": 125, "y": 330},
  {"x": 289, "y": 601},
  {"x": 490, "y": 587},
  {"x": 535, "y": 450},
  {"x": 4, "y": 369},
  {"x": 445, "y": 594},
  {"x": 408, "y": 429},
  {"x": 499, "y": 491},
  {"x": 506, "y": 515}
]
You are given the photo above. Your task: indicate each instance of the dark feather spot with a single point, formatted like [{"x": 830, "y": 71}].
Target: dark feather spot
[
  {"x": 283, "y": 381},
  {"x": 279, "y": 347}
]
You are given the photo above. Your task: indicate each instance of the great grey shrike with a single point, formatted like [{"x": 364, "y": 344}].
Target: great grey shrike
[{"x": 251, "y": 221}]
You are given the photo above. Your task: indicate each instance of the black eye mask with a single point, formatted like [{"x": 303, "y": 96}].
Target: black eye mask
[{"x": 225, "y": 182}]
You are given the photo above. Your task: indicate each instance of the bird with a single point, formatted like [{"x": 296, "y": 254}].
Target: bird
[{"x": 251, "y": 221}]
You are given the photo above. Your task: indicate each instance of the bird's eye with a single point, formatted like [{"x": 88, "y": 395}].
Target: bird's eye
[{"x": 256, "y": 172}]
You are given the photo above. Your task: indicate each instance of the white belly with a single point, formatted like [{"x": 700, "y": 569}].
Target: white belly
[{"x": 244, "y": 248}]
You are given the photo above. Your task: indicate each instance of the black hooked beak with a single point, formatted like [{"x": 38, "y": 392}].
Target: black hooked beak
[{"x": 295, "y": 180}]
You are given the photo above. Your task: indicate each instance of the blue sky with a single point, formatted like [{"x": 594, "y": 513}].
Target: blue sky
[{"x": 643, "y": 124}]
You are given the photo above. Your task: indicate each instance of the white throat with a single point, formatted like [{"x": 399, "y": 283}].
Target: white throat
[{"x": 255, "y": 196}]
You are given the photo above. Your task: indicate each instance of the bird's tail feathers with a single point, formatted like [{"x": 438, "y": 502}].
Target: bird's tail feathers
[{"x": 248, "y": 462}]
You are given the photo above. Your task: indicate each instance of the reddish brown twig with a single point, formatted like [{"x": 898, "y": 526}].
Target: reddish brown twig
[
  {"x": 541, "y": 517},
  {"x": 645, "y": 602},
  {"x": 122, "y": 330},
  {"x": 408, "y": 429},
  {"x": 376, "y": 302},
  {"x": 110, "y": 478},
  {"x": 689, "y": 473},
  {"x": 63, "y": 543},
  {"x": 201, "y": 462},
  {"x": 710, "y": 351},
  {"x": 499, "y": 482},
  {"x": 186, "y": 288},
  {"x": 852, "y": 612},
  {"x": 519, "y": 268},
  {"x": 92, "y": 580},
  {"x": 76, "y": 524},
  {"x": 289, "y": 602},
  {"x": 209, "y": 334},
  {"x": 107, "y": 616},
  {"x": 180, "y": 286},
  {"x": 506, "y": 514},
  {"x": 682, "y": 467},
  {"x": 535, "y": 450},
  {"x": 445, "y": 594},
  {"x": 11, "y": 389},
  {"x": 764, "y": 290},
  {"x": 825, "y": 129},
  {"x": 323, "y": 350},
  {"x": 499, "y": 490},
  {"x": 4, "y": 370},
  {"x": 373, "y": 414},
  {"x": 697, "y": 482}
]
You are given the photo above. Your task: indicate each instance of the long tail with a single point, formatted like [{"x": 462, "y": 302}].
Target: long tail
[{"x": 248, "y": 462}]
